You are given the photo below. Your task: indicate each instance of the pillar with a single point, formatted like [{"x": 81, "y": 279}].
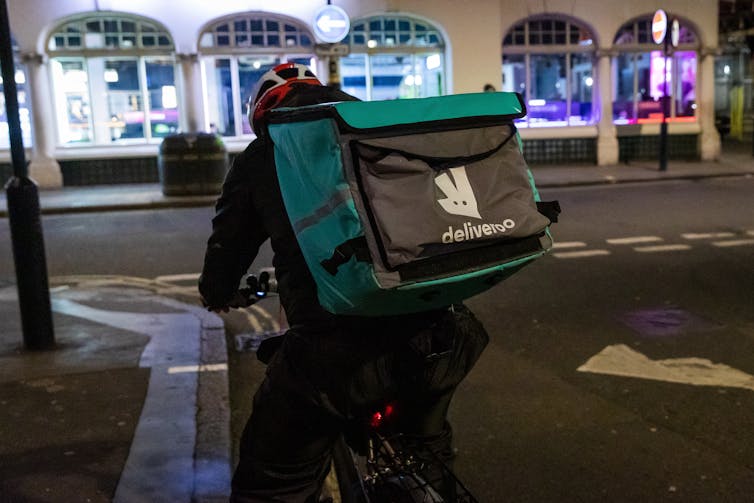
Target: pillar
[
  {"x": 709, "y": 139},
  {"x": 43, "y": 168},
  {"x": 607, "y": 141},
  {"x": 192, "y": 111}
]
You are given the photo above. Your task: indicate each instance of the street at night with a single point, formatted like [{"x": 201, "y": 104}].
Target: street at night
[{"x": 619, "y": 366}]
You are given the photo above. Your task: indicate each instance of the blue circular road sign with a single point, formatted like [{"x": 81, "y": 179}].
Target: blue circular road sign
[{"x": 331, "y": 24}]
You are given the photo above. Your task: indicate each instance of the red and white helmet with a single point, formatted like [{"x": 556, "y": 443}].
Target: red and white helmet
[{"x": 273, "y": 86}]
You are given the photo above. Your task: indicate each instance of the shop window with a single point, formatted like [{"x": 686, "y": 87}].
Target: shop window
[
  {"x": 24, "y": 114},
  {"x": 113, "y": 80},
  {"x": 394, "y": 57},
  {"x": 236, "y": 51},
  {"x": 643, "y": 76},
  {"x": 550, "y": 62}
]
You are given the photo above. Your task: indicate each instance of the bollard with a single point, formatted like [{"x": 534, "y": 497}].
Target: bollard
[{"x": 30, "y": 262}]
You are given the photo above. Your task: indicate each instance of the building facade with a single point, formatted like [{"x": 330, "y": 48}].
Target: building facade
[{"x": 101, "y": 82}]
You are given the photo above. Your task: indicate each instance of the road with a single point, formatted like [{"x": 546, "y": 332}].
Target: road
[
  {"x": 617, "y": 368},
  {"x": 666, "y": 269}
]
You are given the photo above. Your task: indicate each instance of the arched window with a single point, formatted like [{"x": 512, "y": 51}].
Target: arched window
[
  {"x": 550, "y": 61},
  {"x": 642, "y": 75},
  {"x": 113, "y": 79},
  {"x": 394, "y": 56},
  {"x": 236, "y": 51},
  {"x": 24, "y": 115}
]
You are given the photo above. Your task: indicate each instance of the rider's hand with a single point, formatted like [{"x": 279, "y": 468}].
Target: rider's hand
[
  {"x": 242, "y": 298},
  {"x": 215, "y": 309}
]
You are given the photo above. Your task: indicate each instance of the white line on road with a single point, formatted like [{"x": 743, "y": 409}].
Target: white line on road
[
  {"x": 735, "y": 242},
  {"x": 661, "y": 248},
  {"x": 568, "y": 244},
  {"x": 213, "y": 367},
  {"x": 581, "y": 254},
  {"x": 621, "y": 360},
  {"x": 707, "y": 235},
  {"x": 178, "y": 277},
  {"x": 634, "y": 240}
]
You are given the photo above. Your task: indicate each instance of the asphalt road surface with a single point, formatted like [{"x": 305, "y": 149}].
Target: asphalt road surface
[{"x": 620, "y": 366}]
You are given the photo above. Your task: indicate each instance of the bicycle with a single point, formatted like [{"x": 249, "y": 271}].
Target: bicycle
[
  {"x": 372, "y": 462},
  {"x": 380, "y": 465}
]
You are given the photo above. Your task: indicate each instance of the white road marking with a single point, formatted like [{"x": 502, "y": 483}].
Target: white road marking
[
  {"x": 213, "y": 367},
  {"x": 634, "y": 240},
  {"x": 568, "y": 244},
  {"x": 707, "y": 235},
  {"x": 178, "y": 277},
  {"x": 621, "y": 360},
  {"x": 169, "y": 410},
  {"x": 661, "y": 248},
  {"x": 581, "y": 254},
  {"x": 735, "y": 242},
  {"x": 264, "y": 313},
  {"x": 750, "y": 233}
]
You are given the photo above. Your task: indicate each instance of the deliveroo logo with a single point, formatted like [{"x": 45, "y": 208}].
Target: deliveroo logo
[{"x": 460, "y": 198}]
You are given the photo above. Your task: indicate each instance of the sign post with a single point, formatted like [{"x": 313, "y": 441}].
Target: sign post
[
  {"x": 331, "y": 25},
  {"x": 659, "y": 36},
  {"x": 24, "y": 215}
]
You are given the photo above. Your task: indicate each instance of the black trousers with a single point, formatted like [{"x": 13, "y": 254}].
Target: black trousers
[{"x": 322, "y": 378}]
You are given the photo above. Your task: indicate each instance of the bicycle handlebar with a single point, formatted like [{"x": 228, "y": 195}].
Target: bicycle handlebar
[{"x": 257, "y": 288}]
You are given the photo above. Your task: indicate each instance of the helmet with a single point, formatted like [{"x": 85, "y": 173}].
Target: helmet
[{"x": 273, "y": 86}]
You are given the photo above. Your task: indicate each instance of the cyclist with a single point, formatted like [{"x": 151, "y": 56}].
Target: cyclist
[{"x": 328, "y": 366}]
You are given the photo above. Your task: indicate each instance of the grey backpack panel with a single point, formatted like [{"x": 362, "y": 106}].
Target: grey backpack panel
[{"x": 434, "y": 193}]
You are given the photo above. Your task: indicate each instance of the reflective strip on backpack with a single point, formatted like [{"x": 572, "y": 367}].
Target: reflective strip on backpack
[{"x": 338, "y": 198}]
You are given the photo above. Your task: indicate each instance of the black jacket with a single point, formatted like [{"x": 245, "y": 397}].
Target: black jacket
[{"x": 249, "y": 211}]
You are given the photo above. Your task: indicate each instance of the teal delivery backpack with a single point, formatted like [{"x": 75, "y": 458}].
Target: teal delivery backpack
[{"x": 403, "y": 206}]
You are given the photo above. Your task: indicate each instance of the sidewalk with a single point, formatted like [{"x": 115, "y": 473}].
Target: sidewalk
[
  {"x": 134, "y": 400},
  {"x": 132, "y": 404},
  {"x": 149, "y": 196}
]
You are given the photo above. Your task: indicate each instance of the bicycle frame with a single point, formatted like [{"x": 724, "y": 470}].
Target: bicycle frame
[{"x": 381, "y": 466}]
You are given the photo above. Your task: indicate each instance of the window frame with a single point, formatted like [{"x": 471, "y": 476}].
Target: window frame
[
  {"x": 139, "y": 52},
  {"x": 633, "y": 47},
  {"x": 209, "y": 54},
  {"x": 522, "y": 30},
  {"x": 412, "y": 50}
]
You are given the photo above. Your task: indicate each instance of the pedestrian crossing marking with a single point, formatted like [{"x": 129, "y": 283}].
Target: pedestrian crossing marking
[
  {"x": 735, "y": 242},
  {"x": 707, "y": 235},
  {"x": 568, "y": 244},
  {"x": 661, "y": 248},
  {"x": 634, "y": 240},
  {"x": 581, "y": 254}
]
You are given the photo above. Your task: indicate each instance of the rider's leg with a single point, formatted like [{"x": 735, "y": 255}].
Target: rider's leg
[{"x": 286, "y": 445}]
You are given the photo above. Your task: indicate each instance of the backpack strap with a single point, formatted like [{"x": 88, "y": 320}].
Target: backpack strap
[
  {"x": 356, "y": 247},
  {"x": 550, "y": 209}
]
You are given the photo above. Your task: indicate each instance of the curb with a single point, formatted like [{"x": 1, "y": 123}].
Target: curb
[
  {"x": 541, "y": 182},
  {"x": 98, "y": 208},
  {"x": 609, "y": 180}
]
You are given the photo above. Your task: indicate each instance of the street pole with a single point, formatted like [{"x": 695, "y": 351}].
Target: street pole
[
  {"x": 664, "y": 124},
  {"x": 24, "y": 215}
]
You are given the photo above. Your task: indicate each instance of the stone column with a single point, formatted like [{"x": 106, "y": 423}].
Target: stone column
[
  {"x": 43, "y": 168},
  {"x": 709, "y": 139},
  {"x": 192, "y": 110},
  {"x": 607, "y": 141}
]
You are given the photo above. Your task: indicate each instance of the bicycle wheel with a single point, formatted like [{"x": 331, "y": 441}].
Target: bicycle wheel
[
  {"x": 350, "y": 485},
  {"x": 399, "y": 487}
]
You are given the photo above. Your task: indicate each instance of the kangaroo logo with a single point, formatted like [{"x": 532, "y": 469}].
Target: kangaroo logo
[{"x": 460, "y": 198}]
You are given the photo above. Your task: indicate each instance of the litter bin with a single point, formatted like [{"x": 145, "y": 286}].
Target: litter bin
[{"x": 192, "y": 164}]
